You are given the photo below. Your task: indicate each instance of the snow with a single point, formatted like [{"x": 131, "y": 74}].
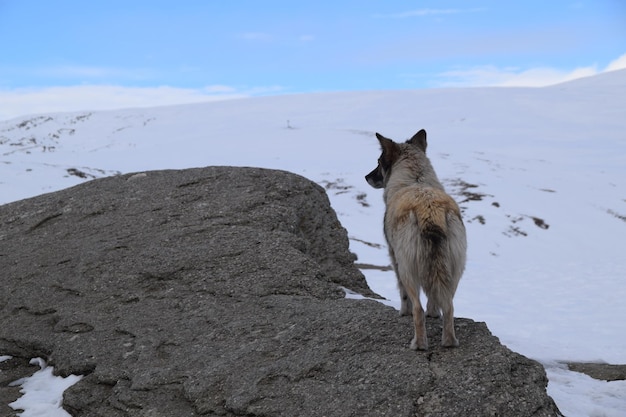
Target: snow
[
  {"x": 43, "y": 392},
  {"x": 580, "y": 395},
  {"x": 540, "y": 174}
]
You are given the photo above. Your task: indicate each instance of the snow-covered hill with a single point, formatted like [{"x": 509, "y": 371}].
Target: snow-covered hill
[{"x": 540, "y": 175}]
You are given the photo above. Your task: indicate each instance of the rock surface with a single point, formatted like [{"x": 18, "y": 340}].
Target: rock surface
[
  {"x": 601, "y": 371},
  {"x": 12, "y": 370},
  {"x": 216, "y": 291}
]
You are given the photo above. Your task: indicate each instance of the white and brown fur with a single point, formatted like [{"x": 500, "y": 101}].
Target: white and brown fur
[{"x": 424, "y": 232}]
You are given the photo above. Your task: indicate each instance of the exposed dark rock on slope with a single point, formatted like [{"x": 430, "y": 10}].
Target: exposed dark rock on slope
[{"x": 216, "y": 291}]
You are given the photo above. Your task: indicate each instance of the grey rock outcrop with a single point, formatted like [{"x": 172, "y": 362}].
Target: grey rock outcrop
[
  {"x": 601, "y": 371},
  {"x": 217, "y": 291}
]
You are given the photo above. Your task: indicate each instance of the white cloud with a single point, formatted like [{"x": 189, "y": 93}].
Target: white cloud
[
  {"x": 256, "y": 36},
  {"x": 492, "y": 76},
  {"x": 619, "y": 63},
  {"x": 426, "y": 12},
  {"x": 511, "y": 77},
  {"x": 266, "y": 37},
  {"x": 85, "y": 72},
  {"x": 219, "y": 89},
  {"x": 20, "y": 102}
]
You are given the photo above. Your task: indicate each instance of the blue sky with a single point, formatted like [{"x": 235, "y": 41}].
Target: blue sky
[{"x": 70, "y": 55}]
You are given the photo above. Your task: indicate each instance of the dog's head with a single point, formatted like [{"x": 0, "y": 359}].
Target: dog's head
[{"x": 391, "y": 151}]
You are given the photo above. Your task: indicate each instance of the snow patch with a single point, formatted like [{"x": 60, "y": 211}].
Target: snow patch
[{"x": 42, "y": 392}]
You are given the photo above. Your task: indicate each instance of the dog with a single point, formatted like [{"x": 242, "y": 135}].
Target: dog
[{"x": 424, "y": 232}]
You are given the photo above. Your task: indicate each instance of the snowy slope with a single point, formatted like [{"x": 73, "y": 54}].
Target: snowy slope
[{"x": 540, "y": 175}]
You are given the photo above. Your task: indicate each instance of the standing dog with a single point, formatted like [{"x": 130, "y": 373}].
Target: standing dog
[{"x": 424, "y": 232}]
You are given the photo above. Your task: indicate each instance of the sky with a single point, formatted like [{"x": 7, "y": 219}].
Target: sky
[{"x": 72, "y": 55}]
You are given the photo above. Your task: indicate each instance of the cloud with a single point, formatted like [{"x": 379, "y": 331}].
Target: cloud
[
  {"x": 255, "y": 36},
  {"x": 267, "y": 38},
  {"x": 18, "y": 102},
  {"x": 492, "y": 76},
  {"x": 426, "y": 12},
  {"x": 219, "y": 89},
  {"x": 619, "y": 63},
  {"x": 86, "y": 72}
]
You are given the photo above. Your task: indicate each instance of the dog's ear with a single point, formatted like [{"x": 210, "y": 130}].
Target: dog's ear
[
  {"x": 419, "y": 140},
  {"x": 391, "y": 152},
  {"x": 386, "y": 144}
]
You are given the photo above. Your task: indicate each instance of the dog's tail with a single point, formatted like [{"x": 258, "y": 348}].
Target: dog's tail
[
  {"x": 439, "y": 284},
  {"x": 434, "y": 239}
]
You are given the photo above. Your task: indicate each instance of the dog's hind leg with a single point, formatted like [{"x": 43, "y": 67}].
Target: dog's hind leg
[
  {"x": 405, "y": 302},
  {"x": 432, "y": 309},
  {"x": 420, "y": 341},
  {"x": 448, "y": 337}
]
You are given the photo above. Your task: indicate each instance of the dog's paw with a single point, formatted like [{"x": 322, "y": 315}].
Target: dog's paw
[
  {"x": 432, "y": 310},
  {"x": 406, "y": 308},
  {"x": 450, "y": 342},
  {"x": 419, "y": 345},
  {"x": 434, "y": 314}
]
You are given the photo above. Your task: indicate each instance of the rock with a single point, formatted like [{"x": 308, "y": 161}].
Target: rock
[
  {"x": 10, "y": 371},
  {"x": 216, "y": 291},
  {"x": 601, "y": 371}
]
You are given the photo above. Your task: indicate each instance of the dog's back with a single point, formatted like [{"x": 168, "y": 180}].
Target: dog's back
[
  {"x": 423, "y": 225},
  {"x": 424, "y": 232}
]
